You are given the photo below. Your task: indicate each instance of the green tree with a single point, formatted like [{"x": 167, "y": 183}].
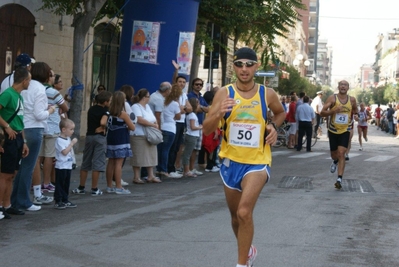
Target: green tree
[
  {"x": 257, "y": 22},
  {"x": 84, "y": 13},
  {"x": 391, "y": 93},
  {"x": 297, "y": 84},
  {"x": 378, "y": 95}
]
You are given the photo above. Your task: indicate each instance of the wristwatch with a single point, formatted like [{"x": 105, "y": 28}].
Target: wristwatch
[{"x": 274, "y": 125}]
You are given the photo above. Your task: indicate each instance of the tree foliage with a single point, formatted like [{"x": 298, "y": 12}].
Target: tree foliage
[
  {"x": 256, "y": 22},
  {"x": 83, "y": 13},
  {"x": 296, "y": 84},
  {"x": 391, "y": 93}
]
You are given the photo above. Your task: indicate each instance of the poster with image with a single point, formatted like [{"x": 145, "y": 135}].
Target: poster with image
[
  {"x": 185, "y": 52},
  {"x": 145, "y": 37}
]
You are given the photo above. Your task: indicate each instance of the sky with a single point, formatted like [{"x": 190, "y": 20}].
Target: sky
[{"x": 351, "y": 28}]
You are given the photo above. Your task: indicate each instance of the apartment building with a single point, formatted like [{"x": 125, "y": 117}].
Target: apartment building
[
  {"x": 386, "y": 65},
  {"x": 324, "y": 62}
]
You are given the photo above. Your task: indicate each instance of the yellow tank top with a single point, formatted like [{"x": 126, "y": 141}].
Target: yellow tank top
[
  {"x": 244, "y": 129},
  {"x": 341, "y": 122}
]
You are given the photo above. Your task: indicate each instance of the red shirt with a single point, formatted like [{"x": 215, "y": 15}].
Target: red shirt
[
  {"x": 377, "y": 112},
  {"x": 291, "y": 112}
]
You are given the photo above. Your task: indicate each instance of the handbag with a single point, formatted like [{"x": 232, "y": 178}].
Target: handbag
[{"x": 153, "y": 135}]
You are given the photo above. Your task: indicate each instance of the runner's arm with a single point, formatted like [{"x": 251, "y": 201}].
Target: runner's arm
[
  {"x": 326, "y": 111},
  {"x": 220, "y": 105}
]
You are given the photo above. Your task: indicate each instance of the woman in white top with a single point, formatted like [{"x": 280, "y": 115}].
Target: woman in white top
[
  {"x": 362, "y": 117},
  {"x": 36, "y": 112},
  {"x": 144, "y": 153},
  {"x": 172, "y": 111}
]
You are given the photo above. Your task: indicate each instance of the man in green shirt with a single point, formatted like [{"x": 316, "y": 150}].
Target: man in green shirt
[{"x": 12, "y": 121}]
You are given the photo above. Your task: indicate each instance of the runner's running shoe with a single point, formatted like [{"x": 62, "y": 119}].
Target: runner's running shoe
[
  {"x": 252, "y": 255},
  {"x": 333, "y": 167}
]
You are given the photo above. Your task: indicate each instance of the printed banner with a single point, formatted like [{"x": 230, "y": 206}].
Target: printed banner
[
  {"x": 185, "y": 52},
  {"x": 145, "y": 37}
]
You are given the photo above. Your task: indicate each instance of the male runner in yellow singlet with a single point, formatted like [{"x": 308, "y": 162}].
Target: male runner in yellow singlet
[
  {"x": 241, "y": 107},
  {"x": 339, "y": 107}
]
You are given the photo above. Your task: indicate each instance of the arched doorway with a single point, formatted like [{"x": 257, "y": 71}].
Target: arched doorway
[
  {"x": 105, "y": 55},
  {"x": 17, "y": 31}
]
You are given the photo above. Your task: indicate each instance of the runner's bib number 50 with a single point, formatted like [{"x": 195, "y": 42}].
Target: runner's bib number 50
[{"x": 244, "y": 134}]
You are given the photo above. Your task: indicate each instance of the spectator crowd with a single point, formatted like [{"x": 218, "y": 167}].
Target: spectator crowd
[{"x": 37, "y": 154}]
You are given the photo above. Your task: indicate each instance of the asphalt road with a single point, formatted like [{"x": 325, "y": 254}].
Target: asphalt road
[{"x": 300, "y": 219}]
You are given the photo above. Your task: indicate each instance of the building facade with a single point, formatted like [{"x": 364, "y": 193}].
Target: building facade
[
  {"x": 49, "y": 38},
  {"x": 324, "y": 62}
]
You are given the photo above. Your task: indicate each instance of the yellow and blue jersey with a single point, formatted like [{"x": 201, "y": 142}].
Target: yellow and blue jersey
[
  {"x": 341, "y": 122},
  {"x": 245, "y": 129}
]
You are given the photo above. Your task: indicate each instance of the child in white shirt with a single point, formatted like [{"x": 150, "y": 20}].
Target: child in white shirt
[{"x": 63, "y": 164}]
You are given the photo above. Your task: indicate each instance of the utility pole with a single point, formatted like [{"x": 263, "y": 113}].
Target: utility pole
[{"x": 210, "y": 70}]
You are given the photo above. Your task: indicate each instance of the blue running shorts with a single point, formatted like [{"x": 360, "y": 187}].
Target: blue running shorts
[{"x": 233, "y": 172}]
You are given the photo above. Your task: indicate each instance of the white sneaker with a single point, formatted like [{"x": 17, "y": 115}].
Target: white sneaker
[
  {"x": 197, "y": 172},
  {"x": 214, "y": 169},
  {"x": 1, "y": 215},
  {"x": 122, "y": 191},
  {"x": 333, "y": 167},
  {"x": 123, "y": 183},
  {"x": 42, "y": 200},
  {"x": 252, "y": 256},
  {"x": 34, "y": 208},
  {"x": 175, "y": 175},
  {"x": 361, "y": 148}
]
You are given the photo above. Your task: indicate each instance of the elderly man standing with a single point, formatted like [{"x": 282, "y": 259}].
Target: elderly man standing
[
  {"x": 317, "y": 105},
  {"x": 157, "y": 100}
]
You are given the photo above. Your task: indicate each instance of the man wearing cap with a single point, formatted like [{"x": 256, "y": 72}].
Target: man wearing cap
[
  {"x": 317, "y": 105},
  {"x": 15, "y": 147},
  {"x": 22, "y": 60},
  {"x": 241, "y": 107}
]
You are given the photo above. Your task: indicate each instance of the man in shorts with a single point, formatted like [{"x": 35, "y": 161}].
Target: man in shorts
[
  {"x": 339, "y": 107},
  {"x": 12, "y": 121},
  {"x": 241, "y": 107}
]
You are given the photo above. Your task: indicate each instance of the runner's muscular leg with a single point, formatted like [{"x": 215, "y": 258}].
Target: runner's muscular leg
[
  {"x": 341, "y": 159},
  {"x": 241, "y": 206}
]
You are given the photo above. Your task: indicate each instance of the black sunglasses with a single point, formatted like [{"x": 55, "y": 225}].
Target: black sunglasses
[
  {"x": 198, "y": 84},
  {"x": 248, "y": 64}
]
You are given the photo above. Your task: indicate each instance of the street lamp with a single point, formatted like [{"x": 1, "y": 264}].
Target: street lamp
[{"x": 298, "y": 61}]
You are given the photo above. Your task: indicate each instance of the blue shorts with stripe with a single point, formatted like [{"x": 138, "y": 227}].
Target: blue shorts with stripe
[{"x": 232, "y": 173}]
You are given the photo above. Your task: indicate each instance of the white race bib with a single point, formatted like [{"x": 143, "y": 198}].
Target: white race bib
[
  {"x": 341, "y": 118},
  {"x": 244, "y": 134}
]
